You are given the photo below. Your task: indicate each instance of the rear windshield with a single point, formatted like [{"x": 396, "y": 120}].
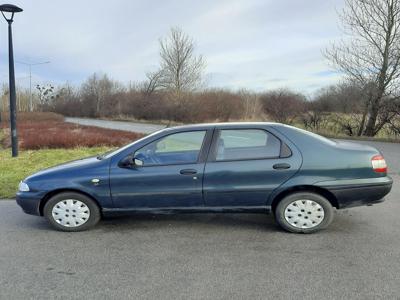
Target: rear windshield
[{"x": 315, "y": 136}]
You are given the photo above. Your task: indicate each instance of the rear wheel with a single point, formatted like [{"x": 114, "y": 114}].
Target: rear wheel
[
  {"x": 304, "y": 212},
  {"x": 71, "y": 212}
]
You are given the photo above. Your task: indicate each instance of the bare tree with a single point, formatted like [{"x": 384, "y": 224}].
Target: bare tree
[
  {"x": 370, "y": 55},
  {"x": 152, "y": 83},
  {"x": 96, "y": 90},
  {"x": 180, "y": 69}
]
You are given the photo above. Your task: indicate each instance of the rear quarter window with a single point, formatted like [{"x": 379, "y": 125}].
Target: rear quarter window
[{"x": 315, "y": 136}]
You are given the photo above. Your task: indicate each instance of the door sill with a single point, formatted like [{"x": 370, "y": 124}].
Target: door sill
[{"x": 175, "y": 210}]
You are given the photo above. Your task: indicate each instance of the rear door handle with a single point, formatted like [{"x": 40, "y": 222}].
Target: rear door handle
[
  {"x": 188, "y": 172},
  {"x": 281, "y": 166}
]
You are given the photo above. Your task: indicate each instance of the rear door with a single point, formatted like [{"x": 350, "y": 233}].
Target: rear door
[{"x": 244, "y": 166}]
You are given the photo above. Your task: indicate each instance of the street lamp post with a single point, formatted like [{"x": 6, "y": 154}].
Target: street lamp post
[
  {"x": 11, "y": 9},
  {"x": 30, "y": 79}
]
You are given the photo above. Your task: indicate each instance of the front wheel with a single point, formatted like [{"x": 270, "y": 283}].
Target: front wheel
[
  {"x": 304, "y": 212},
  {"x": 71, "y": 212}
]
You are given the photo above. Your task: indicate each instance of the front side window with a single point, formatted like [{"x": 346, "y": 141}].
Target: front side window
[
  {"x": 177, "y": 148},
  {"x": 238, "y": 144}
]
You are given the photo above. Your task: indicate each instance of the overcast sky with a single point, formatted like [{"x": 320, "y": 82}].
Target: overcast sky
[{"x": 253, "y": 44}]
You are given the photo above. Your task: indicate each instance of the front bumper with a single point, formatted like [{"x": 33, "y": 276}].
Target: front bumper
[
  {"x": 358, "y": 192},
  {"x": 30, "y": 202}
]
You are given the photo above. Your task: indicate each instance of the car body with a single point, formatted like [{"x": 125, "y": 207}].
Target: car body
[{"x": 222, "y": 167}]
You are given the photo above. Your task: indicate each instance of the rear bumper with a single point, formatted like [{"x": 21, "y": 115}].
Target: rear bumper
[
  {"x": 358, "y": 192},
  {"x": 30, "y": 201}
]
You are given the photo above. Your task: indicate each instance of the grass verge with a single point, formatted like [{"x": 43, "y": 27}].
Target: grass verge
[{"x": 13, "y": 170}]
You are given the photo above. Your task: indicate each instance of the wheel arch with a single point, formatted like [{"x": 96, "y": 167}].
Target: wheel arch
[
  {"x": 305, "y": 188},
  {"x": 58, "y": 191}
]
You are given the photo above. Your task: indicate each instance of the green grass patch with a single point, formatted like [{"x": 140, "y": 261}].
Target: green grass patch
[{"x": 13, "y": 170}]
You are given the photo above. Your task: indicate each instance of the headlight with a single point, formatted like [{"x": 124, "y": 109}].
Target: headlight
[{"x": 23, "y": 187}]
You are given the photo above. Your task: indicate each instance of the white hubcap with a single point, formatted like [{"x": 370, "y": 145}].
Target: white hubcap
[
  {"x": 71, "y": 213},
  {"x": 304, "y": 214}
]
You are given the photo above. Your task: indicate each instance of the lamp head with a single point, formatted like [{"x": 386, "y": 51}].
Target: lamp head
[{"x": 9, "y": 8}]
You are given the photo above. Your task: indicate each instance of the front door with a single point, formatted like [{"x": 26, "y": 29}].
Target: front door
[
  {"x": 171, "y": 174},
  {"x": 244, "y": 167}
]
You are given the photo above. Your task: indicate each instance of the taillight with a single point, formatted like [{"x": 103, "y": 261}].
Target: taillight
[{"x": 379, "y": 164}]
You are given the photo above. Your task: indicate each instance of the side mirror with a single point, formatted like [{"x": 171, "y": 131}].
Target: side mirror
[
  {"x": 129, "y": 162},
  {"x": 126, "y": 162},
  {"x": 138, "y": 162}
]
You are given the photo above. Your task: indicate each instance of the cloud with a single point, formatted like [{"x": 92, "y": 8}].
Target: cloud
[{"x": 246, "y": 43}]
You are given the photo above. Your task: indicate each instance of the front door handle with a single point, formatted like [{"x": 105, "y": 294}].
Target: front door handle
[
  {"x": 281, "y": 166},
  {"x": 188, "y": 172}
]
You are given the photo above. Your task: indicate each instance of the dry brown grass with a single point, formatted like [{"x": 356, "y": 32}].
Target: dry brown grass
[{"x": 33, "y": 116}]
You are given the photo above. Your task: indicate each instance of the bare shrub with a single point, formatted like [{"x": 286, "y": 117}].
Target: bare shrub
[
  {"x": 283, "y": 105},
  {"x": 218, "y": 105},
  {"x": 315, "y": 117}
]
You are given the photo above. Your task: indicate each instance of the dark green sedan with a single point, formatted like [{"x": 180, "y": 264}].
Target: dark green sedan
[{"x": 299, "y": 176}]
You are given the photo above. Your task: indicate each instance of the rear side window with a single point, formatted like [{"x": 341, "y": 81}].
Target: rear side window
[{"x": 239, "y": 144}]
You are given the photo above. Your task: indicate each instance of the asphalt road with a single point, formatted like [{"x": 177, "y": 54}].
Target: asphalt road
[
  {"x": 207, "y": 256},
  {"x": 120, "y": 125}
]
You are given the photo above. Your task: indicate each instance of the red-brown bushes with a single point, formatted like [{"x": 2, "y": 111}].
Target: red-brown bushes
[
  {"x": 34, "y": 116},
  {"x": 55, "y": 134}
]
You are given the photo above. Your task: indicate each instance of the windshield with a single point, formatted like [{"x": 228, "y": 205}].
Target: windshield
[{"x": 113, "y": 152}]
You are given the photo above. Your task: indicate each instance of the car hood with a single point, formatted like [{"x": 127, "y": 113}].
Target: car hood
[{"x": 67, "y": 166}]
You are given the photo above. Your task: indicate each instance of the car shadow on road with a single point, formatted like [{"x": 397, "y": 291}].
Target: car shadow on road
[
  {"x": 343, "y": 222},
  {"x": 205, "y": 221},
  {"x": 145, "y": 222},
  {"x": 151, "y": 221}
]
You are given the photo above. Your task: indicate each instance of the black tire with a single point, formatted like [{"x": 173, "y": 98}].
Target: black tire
[
  {"x": 94, "y": 211},
  {"x": 288, "y": 200}
]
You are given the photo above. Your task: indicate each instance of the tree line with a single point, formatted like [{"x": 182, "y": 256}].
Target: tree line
[{"x": 365, "y": 103}]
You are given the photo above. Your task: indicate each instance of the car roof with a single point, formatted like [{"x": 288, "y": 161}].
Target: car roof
[{"x": 223, "y": 125}]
